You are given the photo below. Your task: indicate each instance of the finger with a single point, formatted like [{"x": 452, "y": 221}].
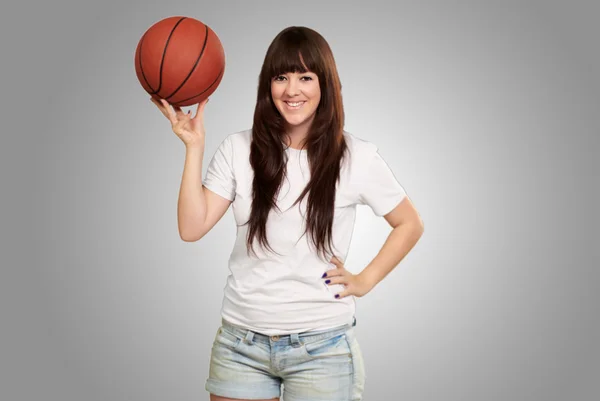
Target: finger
[
  {"x": 159, "y": 105},
  {"x": 334, "y": 272},
  {"x": 343, "y": 294},
  {"x": 201, "y": 106},
  {"x": 178, "y": 111},
  {"x": 336, "y": 280},
  {"x": 336, "y": 261},
  {"x": 169, "y": 110}
]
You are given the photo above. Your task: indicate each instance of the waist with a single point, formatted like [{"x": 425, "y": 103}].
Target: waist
[{"x": 287, "y": 339}]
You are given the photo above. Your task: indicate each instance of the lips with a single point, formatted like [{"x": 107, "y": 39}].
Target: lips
[{"x": 294, "y": 105}]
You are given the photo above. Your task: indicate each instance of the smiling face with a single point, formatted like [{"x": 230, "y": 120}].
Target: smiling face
[{"x": 296, "y": 97}]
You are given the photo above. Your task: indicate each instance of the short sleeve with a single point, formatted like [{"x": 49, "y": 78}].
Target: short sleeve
[
  {"x": 219, "y": 175},
  {"x": 378, "y": 188}
]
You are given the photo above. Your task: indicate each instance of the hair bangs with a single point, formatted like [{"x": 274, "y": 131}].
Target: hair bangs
[{"x": 294, "y": 54}]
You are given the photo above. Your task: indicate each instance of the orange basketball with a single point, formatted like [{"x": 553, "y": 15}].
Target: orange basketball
[{"x": 181, "y": 60}]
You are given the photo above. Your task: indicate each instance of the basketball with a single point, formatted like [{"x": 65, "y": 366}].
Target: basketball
[{"x": 181, "y": 60}]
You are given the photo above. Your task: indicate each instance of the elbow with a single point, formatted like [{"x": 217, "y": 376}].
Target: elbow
[
  {"x": 189, "y": 237},
  {"x": 419, "y": 228},
  {"x": 190, "y": 232}
]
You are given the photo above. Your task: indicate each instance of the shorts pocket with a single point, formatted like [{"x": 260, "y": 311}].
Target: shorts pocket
[
  {"x": 327, "y": 347},
  {"x": 227, "y": 339},
  {"x": 358, "y": 367}
]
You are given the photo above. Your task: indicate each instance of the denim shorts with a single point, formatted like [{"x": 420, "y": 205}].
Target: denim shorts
[{"x": 325, "y": 365}]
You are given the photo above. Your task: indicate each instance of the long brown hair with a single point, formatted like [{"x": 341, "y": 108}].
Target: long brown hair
[{"x": 297, "y": 49}]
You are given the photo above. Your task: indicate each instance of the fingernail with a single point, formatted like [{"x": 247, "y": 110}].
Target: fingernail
[
  {"x": 337, "y": 295},
  {"x": 324, "y": 274},
  {"x": 327, "y": 281}
]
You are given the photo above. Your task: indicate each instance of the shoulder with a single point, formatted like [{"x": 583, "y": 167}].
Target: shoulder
[
  {"x": 360, "y": 150},
  {"x": 235, "y": 145},
  {"x": 359, "y": 155},
  {"x": 234, "y": 149},
  {"x": 239, "y": 140}
]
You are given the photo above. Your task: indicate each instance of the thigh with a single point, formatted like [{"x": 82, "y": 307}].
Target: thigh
[
  {"x": 327, "y": 369},
  {"x": 239, "y": 370}
]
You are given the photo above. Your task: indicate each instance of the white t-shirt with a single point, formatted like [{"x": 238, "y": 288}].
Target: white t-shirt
[{"x": 283, "y": 294}]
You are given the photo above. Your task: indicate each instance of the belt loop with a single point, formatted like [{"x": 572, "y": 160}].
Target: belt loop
[
  {"x": 249, "y": 337},
  {"x": 294, "y": 338}
]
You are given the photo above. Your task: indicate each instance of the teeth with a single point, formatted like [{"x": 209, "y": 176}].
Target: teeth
[{"x": 294, "y": 104}]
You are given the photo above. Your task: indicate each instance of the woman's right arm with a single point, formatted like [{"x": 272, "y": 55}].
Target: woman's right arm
[{"x": 198, "y": 208}]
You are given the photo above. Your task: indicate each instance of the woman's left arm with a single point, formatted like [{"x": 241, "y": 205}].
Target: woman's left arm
[{"x": 407, "y": 228}]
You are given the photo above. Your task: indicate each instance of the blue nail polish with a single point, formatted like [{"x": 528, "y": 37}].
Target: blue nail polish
[
  {"x": 327, "y": 281},
  {"x": 337, "y": 295},
  {"x": 324, "y": 274}
]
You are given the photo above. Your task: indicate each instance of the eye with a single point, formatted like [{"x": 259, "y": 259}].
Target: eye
[
  {"x": 308, "y": 78},
  {"x": 279, "y": 78}
]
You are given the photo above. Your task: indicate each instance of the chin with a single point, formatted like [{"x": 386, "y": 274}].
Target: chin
[
  {"x": 295, "y": 123},
  {"x": 295, "y": 120}
]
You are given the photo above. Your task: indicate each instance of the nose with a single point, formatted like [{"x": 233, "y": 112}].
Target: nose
[{"x": 292, "y": 89}]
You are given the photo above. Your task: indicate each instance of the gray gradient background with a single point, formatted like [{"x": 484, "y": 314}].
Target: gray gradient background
[{"x": 487, "y": 112}]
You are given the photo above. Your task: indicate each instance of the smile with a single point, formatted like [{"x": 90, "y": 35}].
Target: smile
[{"x": 294, "y": 105}]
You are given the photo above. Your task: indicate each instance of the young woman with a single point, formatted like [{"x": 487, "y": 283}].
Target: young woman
[{"x": 293, "y": 181}]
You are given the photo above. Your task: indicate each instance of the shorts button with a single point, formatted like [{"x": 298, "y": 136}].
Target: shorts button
[{"x": 275, "y": 338}]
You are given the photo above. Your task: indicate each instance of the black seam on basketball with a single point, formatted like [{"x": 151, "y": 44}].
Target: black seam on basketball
[
  {"x": 194, "y": 67},
  {"x": 141, "y": 65},
  {"x": 210, "y": 86},
  {"x": 162, "y": 61}
]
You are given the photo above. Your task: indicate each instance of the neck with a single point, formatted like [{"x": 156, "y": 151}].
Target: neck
[
  {"x": 295, "y": 140},
  {"x": 297, "y": 134}
]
